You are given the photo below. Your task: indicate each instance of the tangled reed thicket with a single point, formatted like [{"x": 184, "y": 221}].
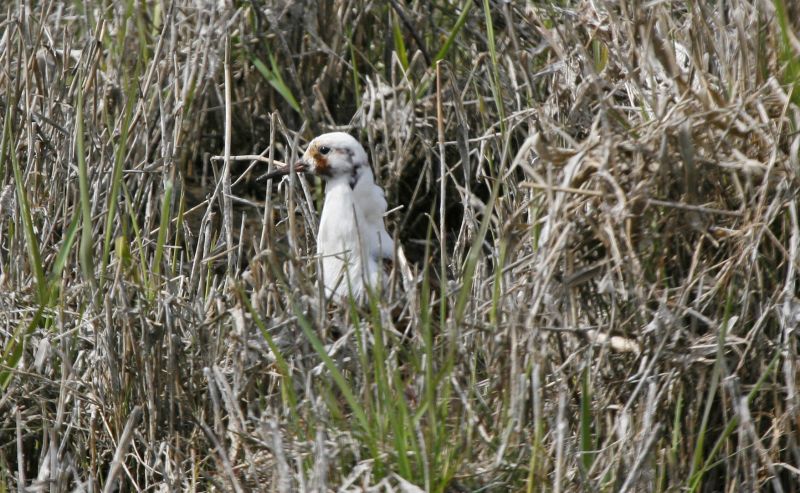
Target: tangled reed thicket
[{"x": 596, "y": 199}]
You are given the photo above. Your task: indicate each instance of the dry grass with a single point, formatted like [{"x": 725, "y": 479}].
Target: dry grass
[{"x": 597, "y": 200}]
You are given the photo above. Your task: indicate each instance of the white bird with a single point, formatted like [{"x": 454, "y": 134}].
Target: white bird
[{"x": 352, "y": 241}]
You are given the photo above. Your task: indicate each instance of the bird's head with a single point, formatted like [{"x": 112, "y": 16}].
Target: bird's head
[{"x": 332, "y": 156}]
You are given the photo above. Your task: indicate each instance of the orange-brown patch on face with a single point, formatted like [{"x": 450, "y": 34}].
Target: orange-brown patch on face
[{"x": 321, "y": 166}]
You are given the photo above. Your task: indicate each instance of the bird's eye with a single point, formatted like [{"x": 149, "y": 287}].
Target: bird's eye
[{"x": 324, "y": 150}]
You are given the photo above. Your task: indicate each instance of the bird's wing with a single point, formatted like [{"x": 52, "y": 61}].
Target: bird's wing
[
  {"x": 373, "y": 206},
  {"x": 386, "y": 243},
  {"x": 372, "y": 200}
]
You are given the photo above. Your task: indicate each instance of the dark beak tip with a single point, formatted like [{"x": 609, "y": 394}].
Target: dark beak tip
[
  {"x": 273, "y": 174},
  {"x": 299, "y": 167}
]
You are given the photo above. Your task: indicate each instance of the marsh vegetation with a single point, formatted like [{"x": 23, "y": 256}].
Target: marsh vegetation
[{"x": 597, "y": 201}]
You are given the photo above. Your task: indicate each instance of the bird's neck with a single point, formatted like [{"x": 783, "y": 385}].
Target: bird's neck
[
  {"x": 342, "y": 182},
  {"x": 338, "y": 186}
]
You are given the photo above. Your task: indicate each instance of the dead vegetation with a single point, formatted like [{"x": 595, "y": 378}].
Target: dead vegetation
[{"x": 598, "y": 201}]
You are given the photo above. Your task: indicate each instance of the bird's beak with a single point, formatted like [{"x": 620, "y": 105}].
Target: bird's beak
[{"x": 299, "y": 167}]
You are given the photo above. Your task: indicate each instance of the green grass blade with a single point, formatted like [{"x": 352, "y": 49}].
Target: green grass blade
[
  {"x": 137, "y": 234},
  {"x": 12, "y": 353},
  {"x": 274, "y": 78},
  {"x": 354, "y": 64},
  {"x": 790, "y": 59},
  {"x": 341, "y": 382},
  {"x": 399, "y": 44},
  {"x": 448, "y": 43},
  {"x": 287, "y": 389},
  {"x": 475, "y": 253},
  {"x": 698, "y": 462},
  {"x": 497, "y": 292},
  {"x": 392, "y": 404},
  {"x": 586, "y": 420},
  {"x": 116, "y": 181},
  {"x": 495, "y": 79},
  {"x": 34, "y": 255},
  {"x": 179, "y": 224},
  {"x": 63, "y": 253},
  {"x": 85, "y": 253},
  {"x": 695, "y": 480}
]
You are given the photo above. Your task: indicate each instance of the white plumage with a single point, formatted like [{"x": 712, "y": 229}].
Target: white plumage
[{"x": 352, "y": 241}]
